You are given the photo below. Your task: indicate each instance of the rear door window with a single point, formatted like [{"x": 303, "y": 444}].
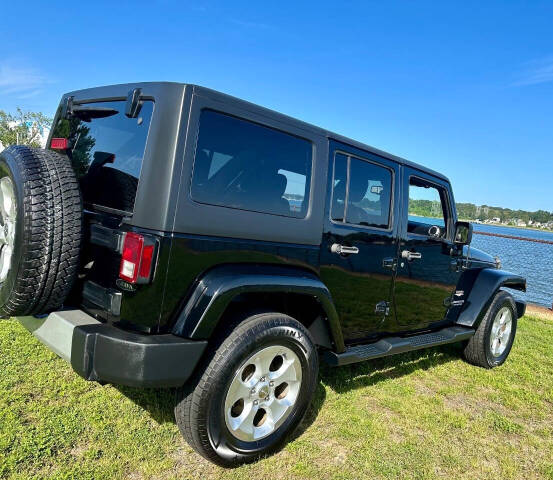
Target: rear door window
[
  {"x": 362, "y": 192},
  {"x": 107, "y": 153},
  {"x": 244, "y": 165}
]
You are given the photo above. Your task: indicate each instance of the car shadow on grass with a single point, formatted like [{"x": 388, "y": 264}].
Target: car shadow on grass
[
  {"x": 372, "y": 372},
  {"x": 159, "y": 403}
]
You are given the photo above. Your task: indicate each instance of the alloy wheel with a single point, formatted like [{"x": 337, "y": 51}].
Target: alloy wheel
[
  {"x": 501, "y": 331},
  {"x": 263, "y": 393}
]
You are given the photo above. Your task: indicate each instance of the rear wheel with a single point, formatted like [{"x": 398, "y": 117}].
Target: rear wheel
[
  {"x": 491, "y": 344},
  {"x": 40, "y": 230},
  {"x": 254, "y": 391}
]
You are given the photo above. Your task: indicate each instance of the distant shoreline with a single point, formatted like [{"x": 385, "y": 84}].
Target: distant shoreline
[
  {"x": 535, "y": 229},
  {"x": 547, "y": 230}
]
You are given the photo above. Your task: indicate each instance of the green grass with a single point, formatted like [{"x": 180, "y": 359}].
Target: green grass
[{"x": 421, "y": 415}]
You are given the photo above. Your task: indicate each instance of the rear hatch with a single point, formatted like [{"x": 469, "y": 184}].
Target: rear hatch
[
  {"x": 106, "y": 145},
  {"x": 106, "y": 148}
]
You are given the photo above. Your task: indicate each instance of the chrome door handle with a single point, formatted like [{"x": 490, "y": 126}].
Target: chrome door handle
[
  {"x": 342, "y": 249},
  {"x": 411, "y": 255}
]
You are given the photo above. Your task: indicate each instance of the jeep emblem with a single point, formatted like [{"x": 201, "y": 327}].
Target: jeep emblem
[{"x": 126, "y": 286}]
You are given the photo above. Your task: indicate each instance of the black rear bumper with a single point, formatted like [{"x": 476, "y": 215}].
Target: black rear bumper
[{"x": 105, "y": 353}]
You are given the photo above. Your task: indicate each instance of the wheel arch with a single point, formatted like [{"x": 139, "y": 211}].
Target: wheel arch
[
  {"x": 486, "y": 285},
  {"x": 241, "y": 289}
]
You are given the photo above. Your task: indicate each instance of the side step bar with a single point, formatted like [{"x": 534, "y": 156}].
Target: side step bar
[{"x": 393, "y": 345}]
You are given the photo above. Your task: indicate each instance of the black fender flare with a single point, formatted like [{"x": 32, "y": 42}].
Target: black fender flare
[
  {"x": 212, "y": 293},
  {"x": 486, "y": 285}
]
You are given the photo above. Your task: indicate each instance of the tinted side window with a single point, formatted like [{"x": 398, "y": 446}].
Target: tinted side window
[
  {"x": 368, "y": 197},
  {"x": 427, "y": 207},
  {"x": 339, "y": 182},
  {"x": 240, "y": 164}
]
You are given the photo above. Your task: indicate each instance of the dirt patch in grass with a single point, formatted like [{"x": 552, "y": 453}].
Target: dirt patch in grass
[{"x": 539, "y": 312}]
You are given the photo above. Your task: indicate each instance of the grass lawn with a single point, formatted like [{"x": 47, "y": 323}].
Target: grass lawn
[{"x": 424, "y": 415}]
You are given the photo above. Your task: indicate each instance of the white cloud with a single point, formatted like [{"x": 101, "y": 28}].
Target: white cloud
[
  {"x": 20, "y": 81},
  {"x": 535, "y": 72}
]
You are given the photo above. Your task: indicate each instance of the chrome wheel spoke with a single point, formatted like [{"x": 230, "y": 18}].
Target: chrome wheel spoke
[
  {"x": 263, "y": 362},
  {"x": 237, "y": 391},
  {"x": 496, "y": 345},
  {"x": 286, "y": 373},
  {"x": 266, "y": 428},
  {"x": 243, "y": 421},
  {"x": 7, "y": 199}
]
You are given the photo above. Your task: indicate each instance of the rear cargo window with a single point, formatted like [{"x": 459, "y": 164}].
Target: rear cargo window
[
  {"x": 107, "y": 153},
  {"x": 240, "y": 164}
]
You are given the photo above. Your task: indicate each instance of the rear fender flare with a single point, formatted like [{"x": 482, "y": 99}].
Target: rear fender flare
[
  {"x": 485, "y": 287},
  {"x": 213, "y": 292}
]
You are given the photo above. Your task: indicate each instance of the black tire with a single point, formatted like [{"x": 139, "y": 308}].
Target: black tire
[
  {"x": 48, "y": 231},
  {"x": 478, "y": 350},
  {"x": 199, "y": 410}
]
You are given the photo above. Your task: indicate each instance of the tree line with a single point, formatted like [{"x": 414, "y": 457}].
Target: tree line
[{"x": 470, "y": 211}]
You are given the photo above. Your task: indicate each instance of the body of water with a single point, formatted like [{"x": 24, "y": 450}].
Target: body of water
[{"x": 529, "y": 259}]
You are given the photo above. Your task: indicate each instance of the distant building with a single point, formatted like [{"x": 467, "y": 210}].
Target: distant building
[{"x": 496, "y": 220}]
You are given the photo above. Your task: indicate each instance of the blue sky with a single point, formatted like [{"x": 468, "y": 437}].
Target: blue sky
[{"x": 465, "y": 87}]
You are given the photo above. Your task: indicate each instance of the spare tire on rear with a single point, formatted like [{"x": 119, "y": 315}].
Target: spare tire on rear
[{"x": 40, "y": 230}]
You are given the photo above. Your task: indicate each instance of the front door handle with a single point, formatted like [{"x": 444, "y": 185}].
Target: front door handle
[
  {"x": 411, "y": 255},
  {"x": 343, "y": 250}
]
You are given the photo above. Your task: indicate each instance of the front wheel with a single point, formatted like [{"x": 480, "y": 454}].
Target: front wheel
[
  {"x": 254, "y": 391},
  {"x": 491, "y": 344}
]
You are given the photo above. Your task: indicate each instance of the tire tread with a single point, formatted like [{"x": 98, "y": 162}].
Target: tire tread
[{"x": 52, "y": 232}]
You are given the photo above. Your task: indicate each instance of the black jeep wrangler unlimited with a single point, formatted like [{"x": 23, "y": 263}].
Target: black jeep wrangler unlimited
[{"x": 174, "y": 236}]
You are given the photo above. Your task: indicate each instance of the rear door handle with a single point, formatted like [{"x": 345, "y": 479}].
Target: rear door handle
[
  {"x": 411, "y": 255},
  {"x": 343, "y": 250},
  {"x": 390, "y": 263}
]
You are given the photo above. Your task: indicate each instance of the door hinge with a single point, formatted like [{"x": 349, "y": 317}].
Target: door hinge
[{"x": 382, "y": 307}]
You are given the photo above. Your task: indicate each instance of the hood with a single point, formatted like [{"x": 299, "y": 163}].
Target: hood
[{"x": 477, "y": 255}]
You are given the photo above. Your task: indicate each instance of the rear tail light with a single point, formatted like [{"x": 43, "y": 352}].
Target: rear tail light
[
  {"x": 59, "y": 143},
  {"x": 137, "y": 258}
]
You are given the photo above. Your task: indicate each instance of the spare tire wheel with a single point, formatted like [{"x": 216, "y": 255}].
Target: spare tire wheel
[{"x": 40, "y": 230}]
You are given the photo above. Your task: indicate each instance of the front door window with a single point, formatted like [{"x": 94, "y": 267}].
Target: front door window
[{"x": 427, "y": 209}]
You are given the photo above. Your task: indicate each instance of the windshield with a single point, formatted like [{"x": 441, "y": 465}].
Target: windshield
[{"x": 107, "y": 152}]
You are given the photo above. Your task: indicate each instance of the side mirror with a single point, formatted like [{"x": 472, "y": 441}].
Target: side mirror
[{"x": 463, "y": 233}]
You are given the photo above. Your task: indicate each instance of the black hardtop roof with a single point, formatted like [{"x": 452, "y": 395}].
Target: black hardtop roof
[{"x": 106, "y": 91}]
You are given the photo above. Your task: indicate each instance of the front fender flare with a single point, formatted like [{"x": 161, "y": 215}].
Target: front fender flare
[
  {"x": 213, "y": 292},
  {"x": 486, "y": 285}
]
